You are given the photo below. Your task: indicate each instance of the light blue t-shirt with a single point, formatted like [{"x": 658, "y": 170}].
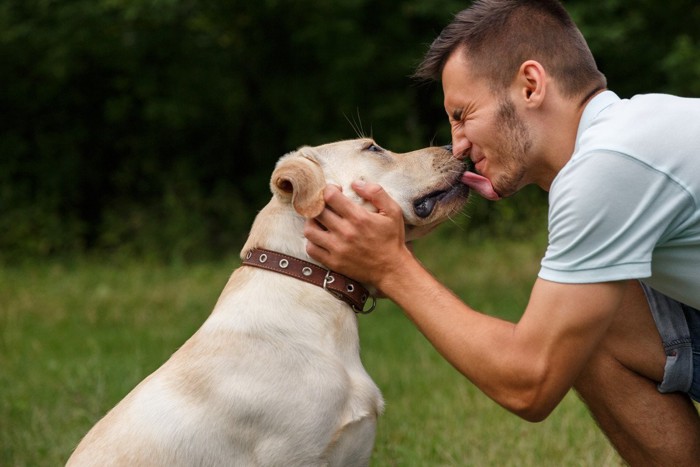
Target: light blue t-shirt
[{"x": 627, "y": 204}]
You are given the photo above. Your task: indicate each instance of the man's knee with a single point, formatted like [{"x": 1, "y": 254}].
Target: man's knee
[
  {"x": 633, "y": 339},
  {"x": 597, "y": 374},
  {"x": 631, "y": 344}
]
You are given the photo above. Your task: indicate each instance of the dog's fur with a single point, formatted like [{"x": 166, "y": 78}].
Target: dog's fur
[{"x": 274, "y": 377}]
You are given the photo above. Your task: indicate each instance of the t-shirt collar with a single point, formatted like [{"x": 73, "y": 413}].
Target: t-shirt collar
[{"x": 593, "y": 108}]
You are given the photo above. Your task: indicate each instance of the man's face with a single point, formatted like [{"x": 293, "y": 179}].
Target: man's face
[{"x": 485, "y": 127}]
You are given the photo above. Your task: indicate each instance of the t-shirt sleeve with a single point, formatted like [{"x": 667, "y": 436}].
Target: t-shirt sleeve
[{"x": 607, "y": 213}]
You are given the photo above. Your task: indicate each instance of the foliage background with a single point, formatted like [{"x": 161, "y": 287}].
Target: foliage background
[
  {"x": 150, "y": 127},
  {"x": 146, "y": 130}
]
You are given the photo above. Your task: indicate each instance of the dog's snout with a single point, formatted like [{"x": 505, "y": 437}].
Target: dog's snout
[{"x": 462, "y": 156}]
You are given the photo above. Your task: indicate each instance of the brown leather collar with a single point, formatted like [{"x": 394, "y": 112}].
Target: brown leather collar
[{"x": 340, "y": 286}]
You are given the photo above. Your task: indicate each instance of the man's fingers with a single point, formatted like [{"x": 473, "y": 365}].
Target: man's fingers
[
  {"x": 376, "y": 195},
  {"x": 317, "y": 252},
  {"x": 345, "y": 208},
  {"x": 316, "y": 233},
  {"x": 339, "y": 203},
  {"x": 327, "y": 220}
]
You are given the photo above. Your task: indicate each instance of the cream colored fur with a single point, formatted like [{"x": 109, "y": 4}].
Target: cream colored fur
[{"x": 273, "y": 377}]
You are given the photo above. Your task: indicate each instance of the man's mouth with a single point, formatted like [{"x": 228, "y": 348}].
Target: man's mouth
[{"x": 480, "y": 184}]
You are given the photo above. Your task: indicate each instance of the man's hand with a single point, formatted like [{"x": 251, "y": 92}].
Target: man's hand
[{"x": 353, "y": 241}]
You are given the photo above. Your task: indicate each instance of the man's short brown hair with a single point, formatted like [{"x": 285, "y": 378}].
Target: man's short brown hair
[{"x": 499, "y": 35}]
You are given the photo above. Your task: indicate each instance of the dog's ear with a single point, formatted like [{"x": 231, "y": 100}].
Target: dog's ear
[{"x": 298, "y": 179}]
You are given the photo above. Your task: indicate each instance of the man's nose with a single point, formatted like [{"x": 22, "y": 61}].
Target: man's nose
[{"x": 460, "y": 147}]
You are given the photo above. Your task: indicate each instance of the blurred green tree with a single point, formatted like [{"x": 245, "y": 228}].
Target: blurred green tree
[{"x": 151, "y": 126}]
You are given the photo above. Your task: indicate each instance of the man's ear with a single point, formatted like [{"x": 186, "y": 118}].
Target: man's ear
[
  {"x": 298, "y": 179},
  {"x": 532, "y": 82}
]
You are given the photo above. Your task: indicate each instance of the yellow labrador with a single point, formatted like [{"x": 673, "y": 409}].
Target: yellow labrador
[{"x": 273, "y": 377}]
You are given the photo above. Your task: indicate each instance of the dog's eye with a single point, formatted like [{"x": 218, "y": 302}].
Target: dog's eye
[{"x": 373, "y": 148}]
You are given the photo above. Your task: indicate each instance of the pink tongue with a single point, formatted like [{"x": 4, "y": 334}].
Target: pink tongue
[{"x": 481, "y": 185}]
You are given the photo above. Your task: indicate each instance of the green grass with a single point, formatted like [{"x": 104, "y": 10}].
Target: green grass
[{"x": 75, "y": 337}]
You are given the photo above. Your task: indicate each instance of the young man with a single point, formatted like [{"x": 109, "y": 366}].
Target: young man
[{"x": 613, "y": 312}]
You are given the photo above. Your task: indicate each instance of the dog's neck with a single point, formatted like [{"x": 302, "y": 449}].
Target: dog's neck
[
  {"x": 341, "y": 287},
  {"x": 279, "y": 228}
]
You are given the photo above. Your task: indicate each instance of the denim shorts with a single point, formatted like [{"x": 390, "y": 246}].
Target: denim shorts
[{"x": 679, "y": 327}]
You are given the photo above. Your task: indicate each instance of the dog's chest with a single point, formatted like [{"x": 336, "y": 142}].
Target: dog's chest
[{"x": 289, "y": 337}]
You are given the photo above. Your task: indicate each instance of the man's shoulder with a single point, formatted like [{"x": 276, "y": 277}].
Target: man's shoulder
[
  {"x": 601, "y": 172},
  {"x": 643, "y": 123}
]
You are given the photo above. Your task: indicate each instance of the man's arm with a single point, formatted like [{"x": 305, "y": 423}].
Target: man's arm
[{"x": 526, "y": 367}]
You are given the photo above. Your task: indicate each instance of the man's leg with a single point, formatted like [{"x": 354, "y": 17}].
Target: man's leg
[{"x": 619, "y": 386}]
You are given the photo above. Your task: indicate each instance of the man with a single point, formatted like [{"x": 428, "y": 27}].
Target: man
[{"x": 613, "y": 312}]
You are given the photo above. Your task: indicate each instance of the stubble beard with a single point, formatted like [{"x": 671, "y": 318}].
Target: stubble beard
[{"x": 514, "y": 145}]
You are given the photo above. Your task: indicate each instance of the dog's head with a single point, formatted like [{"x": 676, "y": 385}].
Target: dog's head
[{"x": 425, "y": 183}]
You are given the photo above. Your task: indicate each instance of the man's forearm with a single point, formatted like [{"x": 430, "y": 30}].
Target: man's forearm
[{"x": 483, "y": 348}]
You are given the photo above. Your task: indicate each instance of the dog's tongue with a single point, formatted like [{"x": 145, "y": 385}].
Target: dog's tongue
[{"x": 481, "y": 185}]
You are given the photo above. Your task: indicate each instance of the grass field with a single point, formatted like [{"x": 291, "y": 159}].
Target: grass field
[{"x": 75, "y": 337}]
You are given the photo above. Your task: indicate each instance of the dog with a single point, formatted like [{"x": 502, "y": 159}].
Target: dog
[{"x": 273, "y": 377}]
